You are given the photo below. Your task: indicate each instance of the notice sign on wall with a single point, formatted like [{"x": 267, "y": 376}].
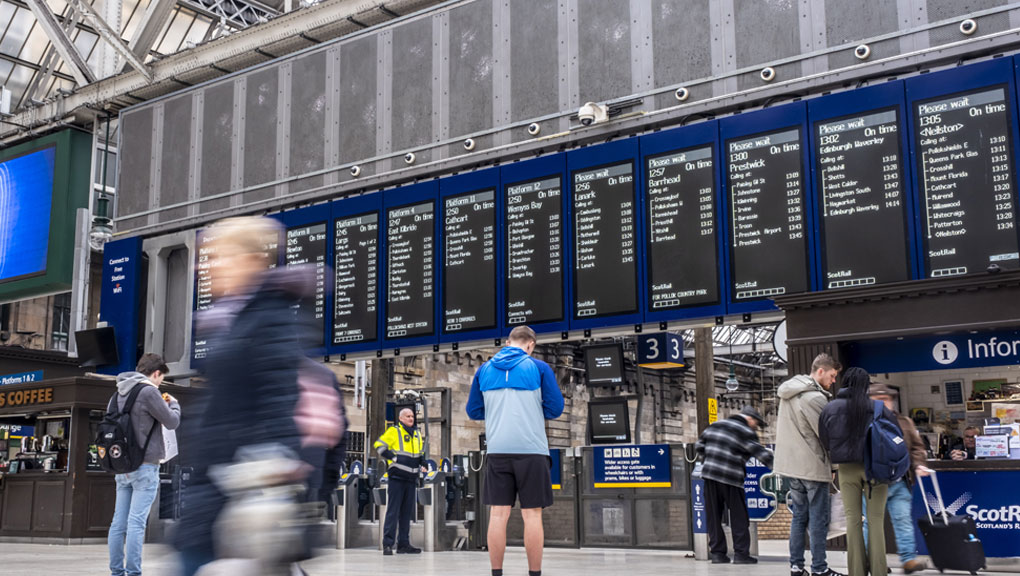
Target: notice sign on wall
[{"x": 643, "y": 466}]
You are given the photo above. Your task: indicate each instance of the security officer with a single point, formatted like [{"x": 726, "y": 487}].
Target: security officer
[{"x": 401, "y": 446}]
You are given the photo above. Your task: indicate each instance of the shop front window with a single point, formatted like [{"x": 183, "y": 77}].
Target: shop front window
[{"x": 61, "y": 321}]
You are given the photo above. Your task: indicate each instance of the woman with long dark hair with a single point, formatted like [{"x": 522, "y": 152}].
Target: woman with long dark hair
[{"x": 842, "y": 430}]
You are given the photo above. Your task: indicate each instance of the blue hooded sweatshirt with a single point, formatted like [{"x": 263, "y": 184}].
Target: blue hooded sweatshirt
[{"x": 515, "y": 394}]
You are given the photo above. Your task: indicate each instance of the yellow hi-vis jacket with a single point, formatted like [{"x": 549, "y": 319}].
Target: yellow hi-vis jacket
[{"x": 403, "y": 450}]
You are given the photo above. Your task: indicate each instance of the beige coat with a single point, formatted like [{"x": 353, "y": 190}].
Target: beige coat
[{"x": 799, "y": 453}]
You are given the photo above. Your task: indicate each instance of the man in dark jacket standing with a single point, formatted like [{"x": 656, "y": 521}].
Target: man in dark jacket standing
[
  {"x": 137, "y": 490},
  {"x": 726, "y": 446},
  {"x": 515, "y": 394}
]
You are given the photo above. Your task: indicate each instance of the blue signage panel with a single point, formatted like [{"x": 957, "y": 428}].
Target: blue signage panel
[
  {"x": 661, "y": 350},
  {"x": 22, "y": 377},
  {"x": 120, "y": 300},
  {"x": 308, "y": 241},
  {"x": 698, "y": 506},
  {"x": 353, "y": 310},
  {"x": 17, "y": 430},
  {"x": 993, "y": 348},
  {"x": 26, "y": 196},
  {"x": 989, "y": 497},
  {"x": 556, "y": 470},
  {"x": 641, "y": 466},
  {"x": 761, "y": 505}
]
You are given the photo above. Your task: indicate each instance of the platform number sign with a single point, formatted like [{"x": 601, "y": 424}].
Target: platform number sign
[{"x": 661, "y": 350}]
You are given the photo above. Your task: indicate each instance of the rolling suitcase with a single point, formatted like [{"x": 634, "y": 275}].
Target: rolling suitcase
[{"x": 951, "y": 541}]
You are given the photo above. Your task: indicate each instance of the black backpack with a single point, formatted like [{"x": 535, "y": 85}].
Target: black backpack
[{"x": 119, "y": 451}]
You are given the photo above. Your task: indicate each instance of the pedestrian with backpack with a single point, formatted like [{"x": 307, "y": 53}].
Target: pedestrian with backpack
[
  {"x": 130, "y": 443},
  {"x": 859, "y": 436}
]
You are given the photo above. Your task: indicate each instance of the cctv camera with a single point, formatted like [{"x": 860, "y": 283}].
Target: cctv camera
[
  {"x": 993, "y": 269},
  {"x": 355, "y": 171},
  {"x": 409, "y": 158},
  {"x": 592, "y": 113},
  {"x": 968, "y": 27},
  {"x": 534, "y": 128},
  {"x": 682, "y": 94},
  {"x": 862, "y": 52},
  {"x": 768, "y": 74},
  {"x": 469, "y": 144}
]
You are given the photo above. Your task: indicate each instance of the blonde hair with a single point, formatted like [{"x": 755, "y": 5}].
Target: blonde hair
[{"x": 244, "y": 235}]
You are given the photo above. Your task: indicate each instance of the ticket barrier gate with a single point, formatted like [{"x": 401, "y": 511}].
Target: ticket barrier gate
[
  {"x": 439, "y": 535},
  {"x": 351, "y": 531}
]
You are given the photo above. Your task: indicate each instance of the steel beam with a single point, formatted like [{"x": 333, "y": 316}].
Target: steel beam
[
  {"x": 111, "y": 38},
  {"x": 148, "y": 31},
  {"x": 62, "y": 43}
]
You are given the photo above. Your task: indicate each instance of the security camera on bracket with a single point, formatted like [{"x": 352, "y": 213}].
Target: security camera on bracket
[{"x": 592, "y": 113}]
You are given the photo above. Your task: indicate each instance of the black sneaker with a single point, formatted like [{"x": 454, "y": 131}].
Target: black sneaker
[
  {"x": 720, "y": 559},
  {"x": 744, "y": 560},
  {"x": 408, "y": 550},
  {"x": 828, "y": 572},
  {"x": 799, "y": 572},
  {"x": 387, "y": 551}
]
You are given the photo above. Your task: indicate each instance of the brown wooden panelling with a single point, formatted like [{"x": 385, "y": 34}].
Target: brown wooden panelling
[
  {"x": 49, "y": 506},
  {"x": 17, "y": 506},
  {"x": 102, "y": 492}
]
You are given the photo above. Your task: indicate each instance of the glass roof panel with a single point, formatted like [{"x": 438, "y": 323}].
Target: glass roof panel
[
  {"x": 17, "y": 32},
  {"x": 5, "y": 70},
  {"x": 35, "y": 47},
  {"x": 176, "y": 33},
  {"x": 18, "y": 81},
  {"x": 133, "y": 11},
  {"x": 85, "y": 42},
  {"x": 6, "y": 12}
]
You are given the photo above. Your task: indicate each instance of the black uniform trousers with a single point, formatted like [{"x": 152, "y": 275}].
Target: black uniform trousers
[
  {"x": 718, "y": 498},
  {"x": 400, "y": 503}
]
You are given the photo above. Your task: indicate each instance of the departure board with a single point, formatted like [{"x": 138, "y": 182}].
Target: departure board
[
  {"x": 356, "y": 253},
  {"x": 469, "y": 261},
  {"x": 534, "y": 255},
  {"x": 767, "y": 216},
  {"x": 306, "y": 246},
  {"x": 681, "y": 239},
  {"x": 410, "y": 239},
  {"x": 965, "y": 171},
  {"x": 860, "y": 186},
  {"x": 605, "y": 246}
]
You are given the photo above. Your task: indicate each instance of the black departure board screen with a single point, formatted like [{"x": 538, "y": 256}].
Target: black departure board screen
[
  {"x": 534, "y": 255},
  {"x": 859, "y": 172},
  {"x": 965, "y": 173},
  {"x": 306, "y": 245},
  {"x": 605, "y": 247},
  {"x": 469, "y": 261},
  {"x": 410, "y": 238},
  {"x": 682, "y": 255},
  {"x": 767, "y": 215},
  {"x": 356, "y": 253}
]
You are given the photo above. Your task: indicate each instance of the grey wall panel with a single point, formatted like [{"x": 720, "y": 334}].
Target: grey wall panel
[
  {"x": 534, "y": 58},
  {"x": 260, "y": 124},
  {"x": 603, "y": 49},
  {"x": 766, "y": 30},
  {"x": 308, "y": 119},
  {"x": 849, "y": 21},
  {"x": 943, "y": 9},
  {"x": 217, "y": 143},
  {"x": 939, "y": 10},
  {"x": 176, "y": 167},
  {"x": 133, "y": 184},
  {"x": 682, "y": 40},
  {"x": 412, "y": 85},
  {"x": 471, "y": 68},
  {"x": 358, "y": 107}
]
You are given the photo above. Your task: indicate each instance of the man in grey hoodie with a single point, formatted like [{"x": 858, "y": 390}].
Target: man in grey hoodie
[
  {"x": 137, "y": 490},
  {"x": 802, "y": 461}
]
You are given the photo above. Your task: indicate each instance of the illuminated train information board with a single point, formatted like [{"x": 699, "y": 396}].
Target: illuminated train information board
[
  {"x": 860, "y": 181},
  {"x": 306, "y": 245},
  {"x": 904, "y": 180},
  {"x": 966, "y": 176}
]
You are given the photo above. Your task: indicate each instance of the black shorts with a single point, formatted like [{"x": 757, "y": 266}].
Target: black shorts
[{"x": 512, "y": 476}]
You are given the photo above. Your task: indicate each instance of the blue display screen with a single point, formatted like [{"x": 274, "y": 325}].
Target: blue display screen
[{"x": 26, "y": 196}]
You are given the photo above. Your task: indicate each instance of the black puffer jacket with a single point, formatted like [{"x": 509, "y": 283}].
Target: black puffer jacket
[{"x": 842, "y": 444}]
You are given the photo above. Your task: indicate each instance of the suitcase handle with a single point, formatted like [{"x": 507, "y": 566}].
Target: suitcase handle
[{"x": 938, "y": 494}]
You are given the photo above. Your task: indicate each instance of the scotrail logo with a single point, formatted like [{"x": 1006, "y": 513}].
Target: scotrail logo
[{"x": 1001, "y": 518}]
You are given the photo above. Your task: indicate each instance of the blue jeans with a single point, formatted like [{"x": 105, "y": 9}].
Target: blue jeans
[
  {"x": 135, "y": 493},
  {"x": 898, "y": 505},
  {"x": 809, "y": 503}
]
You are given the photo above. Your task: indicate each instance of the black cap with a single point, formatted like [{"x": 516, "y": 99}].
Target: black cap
[{"x": 752, "y": 413}]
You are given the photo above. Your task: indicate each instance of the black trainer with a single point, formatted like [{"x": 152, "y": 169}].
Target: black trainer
[
  {"x": 387, "y": 551},
  {"x": 799, "y": 572},
  {"x": 828, "y": 572},
  {"x": 720, "y": 559},
  {"x": 408, "y": 550},
  {"x": 744, "y": 560}
]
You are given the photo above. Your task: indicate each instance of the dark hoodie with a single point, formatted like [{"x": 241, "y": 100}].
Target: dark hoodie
[
  {"x": 515, "y": 394},
  {"x": 149, "y": 409},
  {"x": 842, "y": 444}
]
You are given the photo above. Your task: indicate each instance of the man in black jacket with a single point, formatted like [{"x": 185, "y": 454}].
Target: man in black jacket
[{"x": 726, "y": 447}]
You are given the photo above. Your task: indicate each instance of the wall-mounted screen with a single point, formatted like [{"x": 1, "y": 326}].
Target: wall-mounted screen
[
  {"x": 860, "y": 182},
  {"x": 767, "y": 215},
  {"x": 604, "y": 364},
  {"x": 469, "y": 261},
  {"x": 410, "y": 249},
  {"x": 605, "y": 241},
  {"x": 306, "y": 245},
  {"x": 609, "y": 421},
  {"x": 26, "y": 196},
  {"x": 534, "y": 251},
  {"x": 682, "y": 260},
  {"x": 965, "y": 174},
  {"x": 356, "y": 254}
]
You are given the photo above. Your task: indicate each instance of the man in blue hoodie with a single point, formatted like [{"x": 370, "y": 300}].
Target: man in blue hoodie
[{"x": 515, "y": 394}]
